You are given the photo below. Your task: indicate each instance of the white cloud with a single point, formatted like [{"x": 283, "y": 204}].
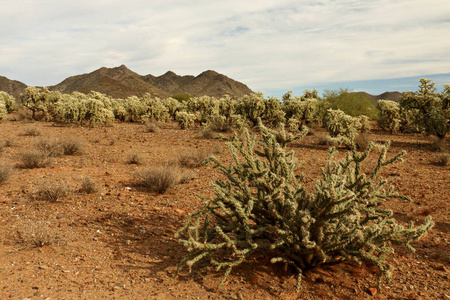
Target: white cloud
[{"x": 266, "y": 44}]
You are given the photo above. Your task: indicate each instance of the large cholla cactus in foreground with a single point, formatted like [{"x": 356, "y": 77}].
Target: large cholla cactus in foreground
[{"x": 261, "y": 205}]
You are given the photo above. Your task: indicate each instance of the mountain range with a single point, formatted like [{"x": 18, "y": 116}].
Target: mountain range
[{"x": 121, "y": 82}]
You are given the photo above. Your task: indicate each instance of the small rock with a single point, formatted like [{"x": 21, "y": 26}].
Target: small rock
[
  {"x": 43, "y": 267},
  {"x": 372, "y": 291},
  {"x": 180, "y": 211},
  {"x": 60, "y": 216}
]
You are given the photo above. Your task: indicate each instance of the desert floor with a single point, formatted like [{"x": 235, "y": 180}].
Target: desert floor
[{"x": 118, "y": 243}]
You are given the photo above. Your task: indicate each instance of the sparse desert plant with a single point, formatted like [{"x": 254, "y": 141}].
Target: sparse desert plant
[
  {"x": 31, "y": 131},
  {"x": 5, "y": 172},
  {"x": 50, "y": 146},
  {"x": 88, "y": 186},
  {"x": 38, "y": 233},
  {"x": 192, "y": 159},
  {"x": 262, "y": 207},
  {"x": 35, "y": 158},
  {"x": 135, "y": 159},
  {"x": 362, "y": 141},
  {"x": 207, "y": 133},
  {"x": 52, "y": 191},
  {"x": 71, "y": 146},
  {"x": 159, "y": 179},
  {"x": 152, "y": 126},
  {"x": 442, "y": 159}
]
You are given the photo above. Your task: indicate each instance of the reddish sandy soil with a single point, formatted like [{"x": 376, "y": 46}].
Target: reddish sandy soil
[{"x": 118, "y": 243}]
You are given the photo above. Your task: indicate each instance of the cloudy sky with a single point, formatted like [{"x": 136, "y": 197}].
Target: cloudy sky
[{"x": 270, "y": 45}]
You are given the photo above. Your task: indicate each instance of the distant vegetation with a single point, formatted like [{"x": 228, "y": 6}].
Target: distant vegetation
[{"x": 343, "y": 113}]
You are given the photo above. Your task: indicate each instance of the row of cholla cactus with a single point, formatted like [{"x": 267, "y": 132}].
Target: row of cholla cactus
[
  {"x": 261, "y": 204},
  {"x": 424, "y": 111}
]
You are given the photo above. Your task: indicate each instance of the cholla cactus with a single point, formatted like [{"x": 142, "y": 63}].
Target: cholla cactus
[
  {"x": 35, "y": 99},
  {"x": 254, "y": 107},
  {"x": 429, "y": 110},
  {"x": 3, "y": 111},
  {"x": 263, "y": 206},
  {"x": 185, "y": 119},
  {"x": 390, "y": 118},
  {"x": 340, "y": 124},
  {"x": 8, "y": 100}
]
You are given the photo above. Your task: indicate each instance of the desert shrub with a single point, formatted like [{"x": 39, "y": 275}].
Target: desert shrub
[
  {"x": 88, "y": 186},
  {"x": 5, "y": 172},
  {"x": 52, "y": 147},
  {"x": 442, "y": 159},
  {"x": 31, "y": 131},
  {"x": 35, "y": 158},
  {"x": 390, "y": 118},
  {"x": 192, "y": 159},
  {"x": 362, "y": 141},
  {"x": 158, "y": 179},
  {"x": 351, "y": 103},
  {"x": 52, "y": 191},
  {"x": 135, "y": 159},
  {"x": 429, "y": 111},
  {"x": 152, "y": 126},
  {"x": 262, "y": 207},
  {"x": 207, "y": 133},
  {"x": 181, "y": 97},
  {"x": 71, "y": 146},
  {"x": 38, "y": 233},
  {"x": 185, "y": 120}
]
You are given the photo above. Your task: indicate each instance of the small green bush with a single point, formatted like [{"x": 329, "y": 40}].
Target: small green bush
[{"x": 262, "y": 207}]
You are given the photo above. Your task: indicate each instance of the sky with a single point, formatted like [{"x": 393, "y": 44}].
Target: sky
[{"x": 271, "y": 45}]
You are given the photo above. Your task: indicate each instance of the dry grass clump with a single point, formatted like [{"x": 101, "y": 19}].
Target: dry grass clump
[
  {"x": 5, "y": 172},
  {"x": 50, "y": 146},
  {"x": 192, "y": 159},
  {"x": 207, "y": 133},
  {"x": 31, "y": 131},
  {"x": 88, "y": 186},
  {"x": 71, "y": 146},
  {"x": 160, "y": 179},
  {"x": 9, "y": 142},
  {"x": 35, "y": 158},
  {"x": 326, "y": 141},
  {"x": 52, "y": 191},
  {"x": 440, "y": 145},
  {"x": 135, "y": 159},
  {"x": 152, "y": 126},
  {"x": 362, "y": 141},
  {"x": 38, "y": 234},
  {"x": 442, "y": 159}
]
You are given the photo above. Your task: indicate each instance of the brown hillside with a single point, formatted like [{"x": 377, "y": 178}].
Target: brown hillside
[
  {"x": 12, "y": 87},
  {"x": 118, "y": 82},
  {"x": 121, "y": 82}
]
